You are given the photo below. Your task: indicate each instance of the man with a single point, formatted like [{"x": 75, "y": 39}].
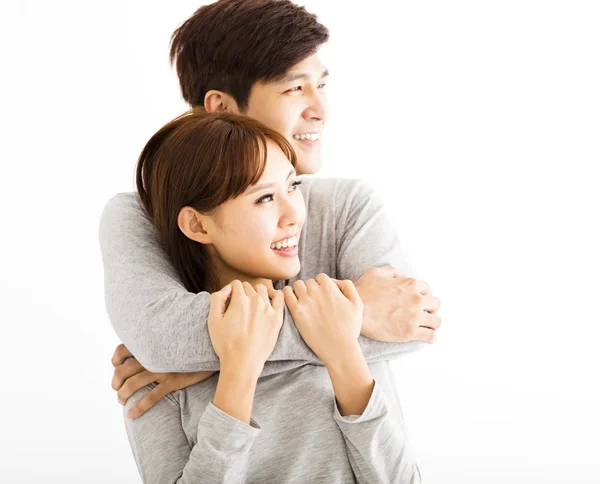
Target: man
[{"x": 258, "y": 57}]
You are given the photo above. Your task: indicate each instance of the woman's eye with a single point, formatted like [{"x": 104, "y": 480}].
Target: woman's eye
[
  {"x": 321, "y": 86},
  {"x": 269, "y": 197},
  {"x": 265, "y": 199}
]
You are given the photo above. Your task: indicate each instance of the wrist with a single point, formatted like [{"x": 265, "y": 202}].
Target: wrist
[
  {"x": 235, "y": 392},
  {"x": 348, "y": 359}
]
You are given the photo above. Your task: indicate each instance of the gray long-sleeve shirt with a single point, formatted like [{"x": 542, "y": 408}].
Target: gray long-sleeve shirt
[
  {"x": 296, "y": 435},
  {"x": 347, "y": 230}
]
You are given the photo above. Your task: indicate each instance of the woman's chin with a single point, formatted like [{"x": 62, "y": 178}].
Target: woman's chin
[{"x": 284, "y": 273}]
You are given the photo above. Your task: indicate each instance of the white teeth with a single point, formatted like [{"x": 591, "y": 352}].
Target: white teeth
[
  {"x": 309, "y": 136},
  {"x": 285, "y": 244}
]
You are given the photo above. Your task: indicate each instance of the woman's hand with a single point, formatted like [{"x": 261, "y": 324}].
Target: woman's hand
[
  {"x": 244, "y": 333},
  {"x": 328, "y": 315}
]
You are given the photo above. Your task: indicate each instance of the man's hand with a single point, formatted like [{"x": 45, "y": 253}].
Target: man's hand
[
  {"x": 129, "y": 376},
  {"x": 397, "y": 308}
]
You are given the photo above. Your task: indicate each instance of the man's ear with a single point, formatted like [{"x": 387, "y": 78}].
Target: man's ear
[
  {"x": 195, "y": 225},
  {"x": 217, "y": 101}
]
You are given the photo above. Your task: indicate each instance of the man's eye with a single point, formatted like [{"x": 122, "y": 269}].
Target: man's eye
[{"x": 295, "y": 89}]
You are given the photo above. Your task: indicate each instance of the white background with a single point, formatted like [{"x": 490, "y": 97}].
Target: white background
[{"x": 479, "y": 121}]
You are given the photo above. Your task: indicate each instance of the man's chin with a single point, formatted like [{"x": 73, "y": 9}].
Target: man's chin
[{"x": 308, "y": 167}]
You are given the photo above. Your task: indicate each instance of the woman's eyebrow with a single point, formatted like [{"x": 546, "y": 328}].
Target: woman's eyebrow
[{"x": 261, "y": 186}]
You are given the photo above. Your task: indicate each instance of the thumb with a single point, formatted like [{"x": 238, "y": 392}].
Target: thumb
[{"x": 218, "y": 301}]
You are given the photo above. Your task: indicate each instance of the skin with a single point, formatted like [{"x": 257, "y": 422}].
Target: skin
[
  {"x": 396, "y": 308},
  {"x": 244, "y": 334},
  {"x": 259, "y": 217},
  {"x": 296, "y": 105}
]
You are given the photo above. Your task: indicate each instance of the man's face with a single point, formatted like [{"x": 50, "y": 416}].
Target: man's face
[{"x": 296, "y": 107}]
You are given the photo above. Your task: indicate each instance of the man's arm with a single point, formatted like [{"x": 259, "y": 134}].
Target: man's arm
[
  {"x": 399, "y": 310},
  {"x": 153, "y": 314}
]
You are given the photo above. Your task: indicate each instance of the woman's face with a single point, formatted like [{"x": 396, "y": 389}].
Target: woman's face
[{"x": 256, "y": 235}]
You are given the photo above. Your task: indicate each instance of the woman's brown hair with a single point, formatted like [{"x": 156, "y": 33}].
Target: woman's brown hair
[{"x": 200, "y": 160}]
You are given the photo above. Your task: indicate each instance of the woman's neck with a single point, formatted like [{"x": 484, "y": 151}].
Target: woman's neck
[{"x": 226, "y": 274}]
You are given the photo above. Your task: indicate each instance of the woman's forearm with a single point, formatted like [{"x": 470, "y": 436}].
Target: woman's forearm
[
  {"x": 352, "y": 382},
  {"x": 235, "y": 392}
]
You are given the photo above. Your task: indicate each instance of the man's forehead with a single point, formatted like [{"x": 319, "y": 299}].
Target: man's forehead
[{"x": 304, "y": 73}]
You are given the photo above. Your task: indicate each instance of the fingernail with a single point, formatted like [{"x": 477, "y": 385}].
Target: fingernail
[
  {"x": 131, "y": 413},
  {"x": 119, "y": 400}
]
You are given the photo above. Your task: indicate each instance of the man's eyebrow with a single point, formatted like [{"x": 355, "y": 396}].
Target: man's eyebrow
[
  {"x": 294, "y": 76},
  {"x": 261, "y": 186}
]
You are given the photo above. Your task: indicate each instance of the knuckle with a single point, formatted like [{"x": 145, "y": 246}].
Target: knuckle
[{"x": 410, "y": 282}]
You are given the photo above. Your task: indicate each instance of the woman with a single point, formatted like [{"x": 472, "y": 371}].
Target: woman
[{"x": 222, "y": 192}]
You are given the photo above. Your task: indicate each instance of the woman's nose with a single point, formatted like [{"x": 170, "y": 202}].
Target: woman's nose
[{"x": 291, "y": 215}]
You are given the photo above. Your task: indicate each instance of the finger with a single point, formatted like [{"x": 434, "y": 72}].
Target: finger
[
  {"x": 425, "y": 334},
  {"x": 149, "y": 400},
  {"x": 218, "y": 301},
  {"x": 248, "y": 289},
  {"x": 278, "y": 300},
  {"x": 312, "y": 286},
  {"x": 423, "y": 288},
  {"x": 125, "y": 371},
  {"x": 120, "y": 355},
  {"x": 237, "y": 290},
  {"x": 261, "y": 290},
  {"x": 432, "y": 321},
  {"x": 348, "y": 290},
  {"x": 290, "y": 298},
  {"x": 278, "y": 304},
  {"x": 325, "y": 281},
  {"x": 134, "y": 383},
  {"x": 300, "y": 290},
  {"x": 272, "y": 291},
  {"x": 431, "y": 304}
]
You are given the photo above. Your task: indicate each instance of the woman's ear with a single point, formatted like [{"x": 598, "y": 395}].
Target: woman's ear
[
  {"x": 217, "y": 101},
  {"x": 195, "y": 225}
]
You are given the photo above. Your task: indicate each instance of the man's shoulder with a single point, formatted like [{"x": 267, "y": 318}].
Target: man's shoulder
[
  {"x": 123, "y": 204},
  {"x": 333, "y": 191},
  {"x": 122, "y": 210}
]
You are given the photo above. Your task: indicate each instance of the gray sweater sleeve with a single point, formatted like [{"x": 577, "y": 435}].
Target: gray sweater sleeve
[
  {"x": 365, "y": 238},
  {"x": 377, "y": 445},
  {"x": 163, "y": 453},
  {"x": 162, "y": 324},
  {"x": 165, "y": 326}
]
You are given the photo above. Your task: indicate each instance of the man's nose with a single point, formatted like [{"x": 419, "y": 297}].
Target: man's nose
[{"x": 318, "y": 108}]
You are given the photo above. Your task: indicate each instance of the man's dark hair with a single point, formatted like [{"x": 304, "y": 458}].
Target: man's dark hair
[{"x": 231, "y": 44}]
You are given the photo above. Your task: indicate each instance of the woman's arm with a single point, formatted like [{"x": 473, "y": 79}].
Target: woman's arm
[
  {"x": 163, "y": 454},
  {"x": 376, "y": 443}
]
